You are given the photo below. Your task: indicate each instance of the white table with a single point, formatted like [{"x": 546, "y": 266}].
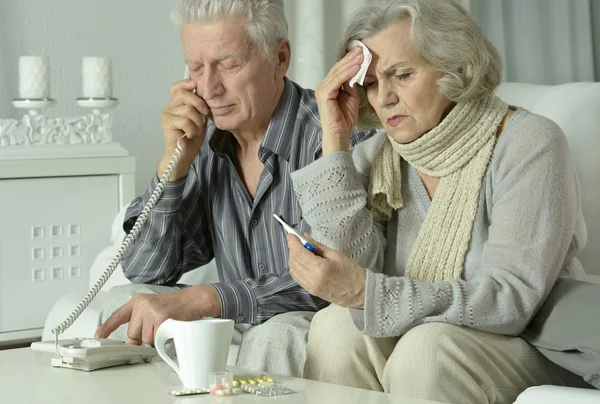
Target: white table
[{"x": 27, "y": 377}]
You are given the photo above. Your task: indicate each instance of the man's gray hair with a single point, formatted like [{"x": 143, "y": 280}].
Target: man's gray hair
[
  {"x": 265, "y": 19},
  {"x": 443, "y": 36}
]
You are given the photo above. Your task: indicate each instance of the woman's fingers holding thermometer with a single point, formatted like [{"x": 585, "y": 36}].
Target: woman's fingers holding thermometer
[{"x": 328, "y": 274}]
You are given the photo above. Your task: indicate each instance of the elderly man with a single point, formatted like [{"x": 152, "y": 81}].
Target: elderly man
[{"x": 246, "y": 127}]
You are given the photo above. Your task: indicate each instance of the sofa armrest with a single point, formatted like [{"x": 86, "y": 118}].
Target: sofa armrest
[
  {"x": 206, "y": 274},
  {"x": 84, "y": 326},
  {"x": 593, "y": 278}
]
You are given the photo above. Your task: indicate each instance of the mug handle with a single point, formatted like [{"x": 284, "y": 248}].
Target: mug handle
[{"x": 165, "y": 332}]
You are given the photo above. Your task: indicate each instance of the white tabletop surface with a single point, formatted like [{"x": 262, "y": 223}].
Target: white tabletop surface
[{"x": 28, "y": 377}]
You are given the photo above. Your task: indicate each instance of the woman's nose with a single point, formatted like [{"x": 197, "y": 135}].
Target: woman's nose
[{"x": 386, "y": 95}]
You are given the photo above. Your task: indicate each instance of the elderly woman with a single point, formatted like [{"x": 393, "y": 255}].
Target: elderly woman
[{"x": 478, "y": 203}]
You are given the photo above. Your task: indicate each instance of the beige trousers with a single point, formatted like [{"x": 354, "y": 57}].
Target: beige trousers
[{"x": 434, "y": 361}]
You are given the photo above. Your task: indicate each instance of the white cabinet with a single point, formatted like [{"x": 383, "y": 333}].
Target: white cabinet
[{"x": 56, "y": 211}]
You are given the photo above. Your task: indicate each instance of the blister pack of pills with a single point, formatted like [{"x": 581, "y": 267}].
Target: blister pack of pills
[
  {"x": 188, "y": 392},
  {"x": 224, "y": 384},
  {"x": 262, "y": 385},
  {"x": 270, "y": 389}
]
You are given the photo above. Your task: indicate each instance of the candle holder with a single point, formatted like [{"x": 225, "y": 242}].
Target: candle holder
[
  {"x": 35, "y": 128},
  {"x": 34, "y": 105},
  {"x": 97, "y": 105}
]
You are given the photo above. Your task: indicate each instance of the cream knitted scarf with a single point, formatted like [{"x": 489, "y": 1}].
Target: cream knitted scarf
[{"x": 458, "y": 152}]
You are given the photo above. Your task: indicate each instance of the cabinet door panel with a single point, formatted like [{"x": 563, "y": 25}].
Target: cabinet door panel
[{"x": 51, "y": 231}]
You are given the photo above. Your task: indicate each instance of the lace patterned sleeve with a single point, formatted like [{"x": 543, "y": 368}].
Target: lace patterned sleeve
[{"x": 333, "y": 197}]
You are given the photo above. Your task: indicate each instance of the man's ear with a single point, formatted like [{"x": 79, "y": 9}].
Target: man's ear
[{"x": 283, "y": 55}]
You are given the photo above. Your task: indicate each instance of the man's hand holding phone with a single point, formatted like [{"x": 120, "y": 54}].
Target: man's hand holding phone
[{"x": 186, "y": 113}]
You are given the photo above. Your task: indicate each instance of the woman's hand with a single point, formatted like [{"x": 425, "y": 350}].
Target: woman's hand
[
  {"x": 338, "y": 103},
  {"x": 328, "y": 274}
]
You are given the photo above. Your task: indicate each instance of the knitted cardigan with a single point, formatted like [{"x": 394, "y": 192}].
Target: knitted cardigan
[{"x": 528, "y": 230}]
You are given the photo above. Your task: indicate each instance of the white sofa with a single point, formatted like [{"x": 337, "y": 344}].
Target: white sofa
[{"x": 575, "y": 107}]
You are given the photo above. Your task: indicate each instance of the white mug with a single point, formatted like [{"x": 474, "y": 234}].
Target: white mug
[{"x": 202, "y": 347}]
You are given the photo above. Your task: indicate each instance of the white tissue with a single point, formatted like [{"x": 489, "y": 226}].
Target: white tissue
[{"x": 367, "y": 57}]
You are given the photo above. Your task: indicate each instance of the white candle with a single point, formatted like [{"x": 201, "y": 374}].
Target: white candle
[
  {"x": 34, "y": 77},
  {"x": 97, "y": 77}
]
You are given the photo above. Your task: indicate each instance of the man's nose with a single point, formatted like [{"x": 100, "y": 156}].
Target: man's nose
[{"x": 211, "y": 84}]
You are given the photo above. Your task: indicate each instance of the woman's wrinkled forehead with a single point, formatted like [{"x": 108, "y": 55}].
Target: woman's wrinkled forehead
[{"x": 391, "y": 49}]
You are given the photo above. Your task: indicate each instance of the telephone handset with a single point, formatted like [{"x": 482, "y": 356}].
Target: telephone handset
[{"x": 96, "y": 353}]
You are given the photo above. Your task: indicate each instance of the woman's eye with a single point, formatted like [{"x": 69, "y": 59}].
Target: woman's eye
[
  {"x": 403, "y": 76},
  {"x": 370, "y": 84}
]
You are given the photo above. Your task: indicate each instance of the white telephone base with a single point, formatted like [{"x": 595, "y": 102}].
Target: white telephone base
[{"x": 89, "y": 354}]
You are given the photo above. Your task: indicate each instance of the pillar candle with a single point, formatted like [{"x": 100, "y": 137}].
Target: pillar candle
[
  {"x": 97, "y": 77},
  {"x": 34, "y": 77}
]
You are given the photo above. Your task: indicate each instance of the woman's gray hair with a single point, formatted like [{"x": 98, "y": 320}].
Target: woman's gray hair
[
  {"x": 265, "y": 19},
  {"x": 443, "y": 36}
]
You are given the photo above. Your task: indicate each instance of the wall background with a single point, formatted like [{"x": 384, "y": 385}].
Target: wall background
[
  {"x": 145, "y": 51},
  {"x": 147, "y": 56}
]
